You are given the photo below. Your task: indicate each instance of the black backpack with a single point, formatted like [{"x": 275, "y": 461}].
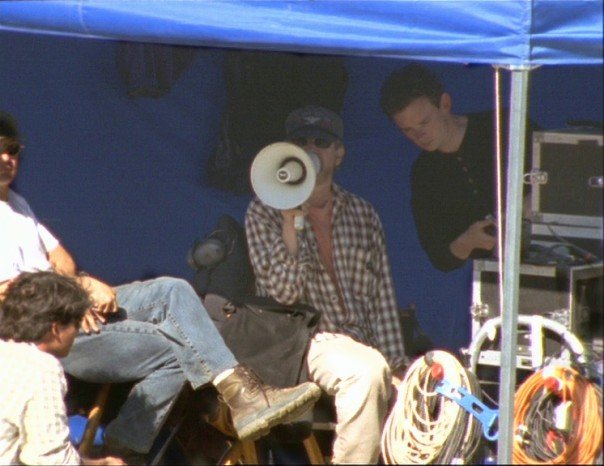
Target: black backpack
[
  {"x": 222, "y": 262},
  {"x": 270, "y": 337}
]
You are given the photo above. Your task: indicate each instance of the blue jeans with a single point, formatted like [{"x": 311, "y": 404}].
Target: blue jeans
[{"x": 162, "y": 336}]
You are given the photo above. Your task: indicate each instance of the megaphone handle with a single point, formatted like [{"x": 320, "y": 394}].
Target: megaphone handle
[{"x": 299, "y": 222}]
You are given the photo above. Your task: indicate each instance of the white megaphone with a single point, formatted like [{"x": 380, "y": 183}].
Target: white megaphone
[{"x": 283, "y": 176}]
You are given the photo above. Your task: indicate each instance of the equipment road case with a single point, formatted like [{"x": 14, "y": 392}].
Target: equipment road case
[
  {"x": 567, "y": 178},
  {"x": 567, "y": 187},
  {"x": 571, "y": 295}
]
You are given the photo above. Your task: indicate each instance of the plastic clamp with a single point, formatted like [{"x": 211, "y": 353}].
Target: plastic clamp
[{"x": 488, "y": 417}]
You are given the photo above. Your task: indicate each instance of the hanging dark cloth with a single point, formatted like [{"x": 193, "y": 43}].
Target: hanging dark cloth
[
  {"x": 262, "y": 89},
  {"x": 150, "y": 70}
]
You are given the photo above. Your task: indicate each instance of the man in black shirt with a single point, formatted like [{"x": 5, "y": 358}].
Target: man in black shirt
[{"x": 453, "y": 179}]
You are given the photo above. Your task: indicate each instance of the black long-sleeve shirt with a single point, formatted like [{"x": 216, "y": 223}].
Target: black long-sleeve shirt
[{"x": 451, "y": 191}]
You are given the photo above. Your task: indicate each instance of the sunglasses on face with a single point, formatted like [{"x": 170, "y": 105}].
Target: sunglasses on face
[
  {"x": 321, "y": 143},
  {"x": 11, "y": 148}
]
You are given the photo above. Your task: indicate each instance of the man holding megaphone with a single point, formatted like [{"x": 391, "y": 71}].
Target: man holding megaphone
[{"x": 312, "y": 241}]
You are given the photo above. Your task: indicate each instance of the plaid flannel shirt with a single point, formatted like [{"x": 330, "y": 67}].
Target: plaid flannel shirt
[
  {"x": 370, "y": 313},
  {"x": 33, "y": 420}
]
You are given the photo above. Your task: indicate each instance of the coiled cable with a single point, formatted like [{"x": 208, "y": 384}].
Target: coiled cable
[
  {"x": 425, "y": 427},
  {"x": 557, "y": 418}
]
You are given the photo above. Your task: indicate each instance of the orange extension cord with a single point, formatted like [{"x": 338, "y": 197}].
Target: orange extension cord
[{"x": 580, "y": 439}]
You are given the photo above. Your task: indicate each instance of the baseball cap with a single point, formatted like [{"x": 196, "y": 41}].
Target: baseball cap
[
  {"x": 314, "y": 121},
  {"x": 8, "y": 126}
]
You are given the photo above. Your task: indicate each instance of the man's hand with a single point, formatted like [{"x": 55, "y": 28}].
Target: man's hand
[
  {"x": 104, "y": 303},
  {"x": 398, "y": 373},
  {"x": 481, "y": 234},
  {"x": 290, "y": 237},
  {"x": 475, "y": 237},
  {"x": 102, "y": 295},
  {"x": 90, "y": 319},
  {"x": 3, "y": 287},
  {"x": 292, "y": 216},
  {"x": 397, "y": 377}
]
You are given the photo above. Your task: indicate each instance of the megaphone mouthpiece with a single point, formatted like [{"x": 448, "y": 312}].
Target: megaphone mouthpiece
[
  {"x": 283, "y": 175},
  {"x": 292, "y": 171}
]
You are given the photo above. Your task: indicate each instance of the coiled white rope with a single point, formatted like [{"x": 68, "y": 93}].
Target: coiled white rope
[{"x": 425, "y": 427}]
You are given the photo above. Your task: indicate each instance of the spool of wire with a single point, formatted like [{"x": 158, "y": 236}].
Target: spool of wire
[
  {"x": 425, "y": 427},
  {"x": 557, "y": 418}
]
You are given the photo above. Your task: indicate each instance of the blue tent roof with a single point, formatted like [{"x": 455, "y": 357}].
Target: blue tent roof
[{"x": 506, "y": 32}]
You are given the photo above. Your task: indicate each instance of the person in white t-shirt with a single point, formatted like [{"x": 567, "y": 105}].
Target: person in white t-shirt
[
  {"x": 37, "y": 248},
  {"x": 18, "y": 221}
]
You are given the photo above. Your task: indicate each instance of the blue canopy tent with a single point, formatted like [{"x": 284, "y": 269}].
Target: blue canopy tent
[
  {"x": 516, "y": 34},
  {"x": 504, "y": 32}
]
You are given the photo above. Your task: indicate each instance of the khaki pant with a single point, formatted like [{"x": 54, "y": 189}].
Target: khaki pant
[{"x": 359, "y": 378}]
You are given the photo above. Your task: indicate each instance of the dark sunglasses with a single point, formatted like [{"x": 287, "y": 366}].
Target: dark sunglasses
[
  {"x": 321, "y": 143},
  {"x": 10, "y": 147}
]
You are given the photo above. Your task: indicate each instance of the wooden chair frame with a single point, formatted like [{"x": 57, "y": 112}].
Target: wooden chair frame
[{"x": 94, "y": 420}]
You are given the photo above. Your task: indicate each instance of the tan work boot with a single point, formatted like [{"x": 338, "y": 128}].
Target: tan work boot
[{"x": 257, "y": 407}]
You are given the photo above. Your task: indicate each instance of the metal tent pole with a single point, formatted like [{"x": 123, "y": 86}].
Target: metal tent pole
[{"x": 511, "y": 260}]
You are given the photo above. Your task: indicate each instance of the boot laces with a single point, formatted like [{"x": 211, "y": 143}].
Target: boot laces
[{"x": 254, "y": 383}]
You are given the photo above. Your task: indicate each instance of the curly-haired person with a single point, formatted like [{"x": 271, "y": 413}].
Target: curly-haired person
[{"x": 39, "y": 318}]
